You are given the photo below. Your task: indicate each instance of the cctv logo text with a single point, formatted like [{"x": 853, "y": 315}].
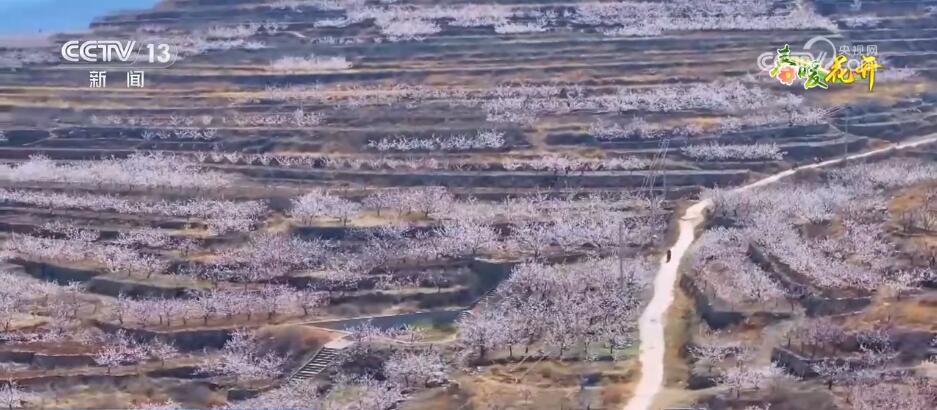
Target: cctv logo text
[{"x": 94, "y": 51}]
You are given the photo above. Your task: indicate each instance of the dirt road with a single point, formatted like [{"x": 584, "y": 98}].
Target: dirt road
[{"x": 651, "y": 324}]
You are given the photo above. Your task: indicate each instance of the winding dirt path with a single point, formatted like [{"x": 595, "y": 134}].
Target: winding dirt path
[{"x": 651, "y": 324}]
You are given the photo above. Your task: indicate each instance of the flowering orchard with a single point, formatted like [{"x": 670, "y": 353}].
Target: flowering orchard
[
  {"x": 200, "y": 260},
  {"x": 350, "y": 204}
]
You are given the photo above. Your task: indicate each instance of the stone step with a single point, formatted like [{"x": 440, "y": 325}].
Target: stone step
[{"x": 319, "y": 363}]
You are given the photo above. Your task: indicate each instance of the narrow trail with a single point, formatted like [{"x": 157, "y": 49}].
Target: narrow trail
[{"x": 651, "y": 323}]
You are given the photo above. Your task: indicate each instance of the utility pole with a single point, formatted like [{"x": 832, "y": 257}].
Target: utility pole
[
  {"x": 621, "y": 251},
  {"x": 665, "y": 146},
  {"x": 655, "y": 168},
  {"x": 846, "y": 138}
]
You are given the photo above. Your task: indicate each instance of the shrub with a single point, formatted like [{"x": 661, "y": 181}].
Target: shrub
[
  {"x": 638, "y": 128},
  {"x": 718, "y": 152},
  {"x": 482, "y": 140},
  {"x": 310, "y": 63},
  {"x": 644, "y": 19},
  {"x": 21, "y": 58},
  {"x": 861, "y": 21},
  {"x": 232, "y": 32},
  {"x": 409, "y": 29},
  {"x": 896, "y": 74},
  {"x": 519, "y": 28}
]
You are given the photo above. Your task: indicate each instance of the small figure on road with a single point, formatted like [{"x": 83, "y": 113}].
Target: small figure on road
[{"x": 668, "y": 255}]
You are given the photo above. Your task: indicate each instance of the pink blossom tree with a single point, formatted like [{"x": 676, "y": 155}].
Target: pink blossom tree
[
  {"x": 480, "y": 332},
  {"x": 322, "y": 204},
  {"x": 161, "y": 350},
  {"x": 567, "y": 305},
  {"x": 12, "y": 396},
  {"x": 416, "y": 368},
  {"x": 741, "y": 378},
  {"x": 118, "y": 349},
  {"x": 833, "y": 371},
  {"x": 311, "y": 298},
  {"x": 244, "y": 358},
  {"x": 883, "y": 395},
  {"x": 712, "y": 352},
  {"x": 459, "y": 237},
  {"x": 165, "y": 405},
  {"x": 344, "y": 394}
]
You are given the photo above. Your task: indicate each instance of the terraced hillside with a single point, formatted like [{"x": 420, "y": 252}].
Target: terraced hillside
[{"x": 459, "y": 203}]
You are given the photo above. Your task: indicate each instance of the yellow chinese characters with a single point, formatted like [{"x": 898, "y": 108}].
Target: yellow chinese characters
[
  {"x": 867, "y": 69},
  {"x": 840, "y": 73}
]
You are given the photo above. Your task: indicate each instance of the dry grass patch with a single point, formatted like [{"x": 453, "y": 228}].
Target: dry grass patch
[
  {"x": 549, "y": 384},
  {"x": 916, "y": 312}
]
